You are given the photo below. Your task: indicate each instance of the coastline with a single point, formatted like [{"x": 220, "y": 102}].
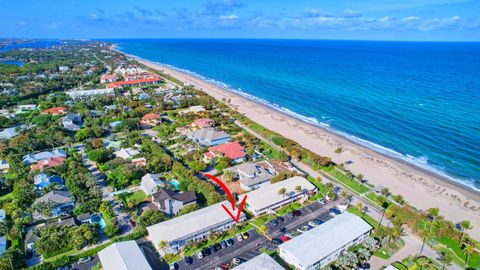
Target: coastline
[{"x": 420, "y": 187}]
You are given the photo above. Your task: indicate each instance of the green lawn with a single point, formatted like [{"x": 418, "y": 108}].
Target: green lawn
[
  {"x": 7, "y": 196},
  {"x": 453, "y": 245},
  {"x": 133, "y": 198},
  {"x": 365, "y": 217},
  {"x": 351, "y": 183}
]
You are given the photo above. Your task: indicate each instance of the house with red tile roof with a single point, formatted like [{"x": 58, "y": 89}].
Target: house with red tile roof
[
  {"x": 203, "y": 123},
  {"x": 232, "y": 150},
  {"x": 151, "y": 119},
  {"x": 135, "y": 82},
  {"x": 55, "y": 111},
  {"x": 48, "y": 163},
  {"x": 108, "y": 78}
]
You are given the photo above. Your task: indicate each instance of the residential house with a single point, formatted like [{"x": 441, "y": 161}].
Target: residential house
[
  {"x": 250, "y": 175},
  {"x": 170, "y": 201},
  {"x": 33, "y": 158},
  {"x": 233, "y": 150},
  {"x": 8, "y": 133},
  {"x": 203, "y": 123},
  {"x": 4, "y": 166},
  {"x": 72, "y": 122},
  {"x": 150, "y": 183},
  {"x": 60, "y": 202},
  {"x": 63, "y": 68},
  {"x": 108, "y": 78},
  {"x": 125, "y": 255},
  {"x": 135, "y": 82},
  {"x": 55, "y": 111},
  {"x": 151, "y": 119},
  {"x": 79, "y": 94},
  {"x": 31, "y": 238},
  {"x": 42, "y": 180},
  {"x": 141, "y": 161},
  {"x": 47, "y": 163},
  {"x": 209, "y": 136},
  {"x": 113, "y": 125},
  {"x": 126, "y": 153}
]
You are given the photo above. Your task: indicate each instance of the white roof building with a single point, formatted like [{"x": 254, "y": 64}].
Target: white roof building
[
  {"x": 149, "y": 183},
  {"x": 261, "y": 262},
  {"x": 321, "y": 245},
  {"x": 76, "y": 94},
  {"x": 126, "y": 153},
  {"x": 268, "y": 197},
  {"x": 193, "y": 226},
  {"x": 123, "y": 256}
]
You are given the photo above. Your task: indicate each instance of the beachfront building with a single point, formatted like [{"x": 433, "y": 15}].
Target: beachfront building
[
  {"x": 177, "y": 232},
  {"x": 250, "y": 175},
  {"x": 335, "y": 236},
  {"x": 233, "y": 150},
  {"x": 209, "y": 136},
  {"x": 123, "y": 256},
  {"x": 79, "y": 94},
  {"x": 150, "y": 183},
  {"x": 170, "y": 201},
  {"x": 269, "y": 197},
  {"x": 260, "y": 262},
  {"x": 108, "y": 78},
  {"x": 139, "y": 82}
]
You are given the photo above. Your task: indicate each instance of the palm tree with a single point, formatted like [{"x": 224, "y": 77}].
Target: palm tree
[
  {"x": 464, "y": 225},
  {"x": 446, "y": 258},
  {"x": 282, "y": 191},
  {"x": 363, "y": 254},
  {"x": 298, "y": 189},
  {"x": 423, "y": 261},
  {"x": 433, "y": 213},
  {"x": 385, "y": 192},
  {"x": 343, "y": 194},
  {"x": 383, "y": 203},
  {"x": 338, "y": 151},
  {"x": 468, "y": 250}
]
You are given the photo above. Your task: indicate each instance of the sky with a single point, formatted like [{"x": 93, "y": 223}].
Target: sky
[{"x": 429, "y": 20}]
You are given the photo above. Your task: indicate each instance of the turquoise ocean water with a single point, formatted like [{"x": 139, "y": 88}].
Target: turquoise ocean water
[{"x": 418, "y": 101}]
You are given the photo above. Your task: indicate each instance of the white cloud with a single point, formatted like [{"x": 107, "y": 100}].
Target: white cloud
[
  {"x": 229, "y": 17},
  {"x": 350, "y": 13}
]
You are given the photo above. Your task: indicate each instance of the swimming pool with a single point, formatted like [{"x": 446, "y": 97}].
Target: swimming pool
[
  {"x": 175, "y": 184},
  {"x": 99, "y": 220}
]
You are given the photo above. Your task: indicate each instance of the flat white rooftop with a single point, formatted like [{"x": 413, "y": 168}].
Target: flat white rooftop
[
  {"x": 261, "y": 262},
  {"x": 319, "y": 242},
  {"x": 190, "y": 224},
  {"x": 268, "y": 195},
  {"x": 123, "y": 256}
]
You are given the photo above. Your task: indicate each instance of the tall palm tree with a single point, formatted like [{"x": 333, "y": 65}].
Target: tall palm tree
[
  {"x": 464, "y": 225},
  {"x": 433, "y": 213},
  {"x": 423, "y": 261},
  {"x": 338, "y": 151},
  {"x": 298, "y": 189},
  {"x": 282, "y": 191},
  {"x": 446, "y": 259},
  {"x": 468, "y": 250}
]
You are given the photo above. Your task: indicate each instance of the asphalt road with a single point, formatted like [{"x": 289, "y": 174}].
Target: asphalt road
[{"x": 87, "y": 265}]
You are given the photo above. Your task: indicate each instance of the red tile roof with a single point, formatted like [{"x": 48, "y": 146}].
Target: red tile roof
[
  {"x": 133, "y": 82},
  {"x": 203, "y": 122},
  {"x": 55, "y": 110},
  {"x": 150, "y": 116},
  {"x": 232, "y": 150},
  {"x": 48, "y": 163}
]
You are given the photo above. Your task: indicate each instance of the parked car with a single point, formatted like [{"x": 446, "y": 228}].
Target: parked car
[
  {"x": 223, "y": 244},
  {"x": 296, "y": 213},
  {"x": 283, "y": 230},
  {"x": 206, "y": 251},
  {"x": 174, "y": 266},
  {"x": 315, "y": 222},
  {"x": 199, "y": 254},
  {"x": 239, "y": 237},
  {"x": 218, "y": 246},
  {"x": 188, "y": 260},
  {"x": 285, "y": 238},
  {"x": 276, "y": 241},
  {"x": 334, "y": 212},
  {"x": 289, "y": 214},
  {"x": 224, "y": 266},
  {"x": 303, "y": 229},
  {"x": 236, "y": 261},
  {"x": 213, "y": 248},
  {"x": 245, "y": 235},
  {"x": 84, "y": 260},
  {"x": 322, "y": 201},
  {"x": 274, "y": 222},
  {"x": 230, "y": 242},
  {"x": 281, "y": 219}
]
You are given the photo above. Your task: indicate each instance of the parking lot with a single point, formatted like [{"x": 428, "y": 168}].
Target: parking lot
[{"x": 246, "y": 250}]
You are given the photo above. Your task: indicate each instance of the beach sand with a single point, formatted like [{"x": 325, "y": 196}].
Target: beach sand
[{"x": 420, "y": 188}]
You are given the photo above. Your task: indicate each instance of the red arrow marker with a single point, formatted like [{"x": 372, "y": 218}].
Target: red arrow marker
[{"x": 230, "y": 198}]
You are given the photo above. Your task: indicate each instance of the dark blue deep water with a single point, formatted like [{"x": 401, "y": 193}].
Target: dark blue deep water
[{"x": 419, "y": 101}]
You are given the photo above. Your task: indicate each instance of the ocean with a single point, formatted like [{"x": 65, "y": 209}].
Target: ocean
[{"x": 417, "y": 101}]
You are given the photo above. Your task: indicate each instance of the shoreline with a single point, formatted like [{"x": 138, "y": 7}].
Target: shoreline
[{"x": 420, "y": 187}]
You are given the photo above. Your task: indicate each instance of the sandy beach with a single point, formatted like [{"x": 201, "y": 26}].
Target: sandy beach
[{"x": 420, "y": 188}]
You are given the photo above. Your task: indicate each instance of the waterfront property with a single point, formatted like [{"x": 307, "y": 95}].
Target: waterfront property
[
  {"x": 194, "y": 226},
  {"x": 209, "y": 137},
  {"x": 233, "y": 150},
  {"x": 123, "y": 256},
  {"x": 250, "y": 175},
  {"x": 336, "y": 236},
  {"x": 135, "y": 82},
  {"x": 269, "y": 197},
  {"x": 170, "y": 201},
  {"x": 108, "y": 78}
]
